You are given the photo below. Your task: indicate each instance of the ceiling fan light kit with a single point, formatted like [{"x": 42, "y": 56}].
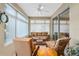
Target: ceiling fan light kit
[{"x": 41, "y": 7}]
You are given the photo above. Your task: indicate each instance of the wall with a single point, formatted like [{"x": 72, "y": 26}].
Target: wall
[
  {"x": 1, "y": 29},
  {"x": 5, "y": 50},
  {"x": 74, "y": 24}
]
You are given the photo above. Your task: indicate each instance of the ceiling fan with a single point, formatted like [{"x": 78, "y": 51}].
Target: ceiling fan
[{"x": 42, "y": 8}]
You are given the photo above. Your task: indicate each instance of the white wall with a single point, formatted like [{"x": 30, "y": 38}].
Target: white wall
[{"x": 74, "y": 24}]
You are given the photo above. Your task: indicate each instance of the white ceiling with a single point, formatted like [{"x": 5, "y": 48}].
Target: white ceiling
[{"x": 31, "y": 9}]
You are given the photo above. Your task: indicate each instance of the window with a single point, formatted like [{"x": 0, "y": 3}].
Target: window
[
  {"x": 40, "y": 25},
  {"x": 64, "y": 26},
  {"x": 17, "y": 24},
  {"x": 10, "y": 26},
  {"x": 21, "y": 26}
]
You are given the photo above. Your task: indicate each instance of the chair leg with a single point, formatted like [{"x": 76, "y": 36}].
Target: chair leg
[{"x": 15, "y": 53}]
